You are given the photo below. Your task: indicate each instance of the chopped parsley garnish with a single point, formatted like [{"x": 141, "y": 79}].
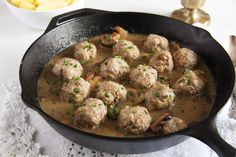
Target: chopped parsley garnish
[
  {"x": 88, "y": 47},
  {"x": 77, "y": 105},
  {"x": 66, "y": 62},
  {"x": 117, "y": 57},
  {"x": 84, "y": 62},
  {"x": 145, "y": 67},
  {"x": 100, "y": 105},
  {"x": 76, "y": 90},
  {"x": 130, "y": 47},
  {"x": 156, "y": 94},
  {"x": 171, "y": 95},
  {"x": 107, "y": 94},
  {"x": 75, "y": 66},
  {"x": 134, "y": 111},
  {"x": 113, "y": 111},
  {"x": 146, "y": 112},
  {"x": 77, "y": 78}
]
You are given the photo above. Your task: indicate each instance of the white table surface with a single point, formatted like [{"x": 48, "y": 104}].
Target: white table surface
[{"x": 15, "y": 37}]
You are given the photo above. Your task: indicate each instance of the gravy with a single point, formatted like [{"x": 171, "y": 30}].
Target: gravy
[{"x": 191, "y": 109}]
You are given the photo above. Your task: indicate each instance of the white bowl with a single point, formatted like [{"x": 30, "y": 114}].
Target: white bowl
[{"x": 40, "y": 19}]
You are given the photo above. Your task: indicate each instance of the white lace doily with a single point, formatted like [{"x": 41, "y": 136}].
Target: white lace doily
[{"x": 24, "y": 133}]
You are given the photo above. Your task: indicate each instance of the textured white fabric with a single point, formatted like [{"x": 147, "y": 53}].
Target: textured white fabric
[{"x": 24, "y": 133}]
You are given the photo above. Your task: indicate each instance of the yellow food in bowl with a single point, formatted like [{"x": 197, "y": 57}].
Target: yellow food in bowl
[{"x": 41, "y": 5}]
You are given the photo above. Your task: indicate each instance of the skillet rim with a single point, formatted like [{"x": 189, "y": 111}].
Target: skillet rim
[{"x": 122, "y": 139}]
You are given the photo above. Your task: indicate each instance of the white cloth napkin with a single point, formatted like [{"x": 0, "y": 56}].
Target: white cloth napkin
[{"x": 24, "y": 133}]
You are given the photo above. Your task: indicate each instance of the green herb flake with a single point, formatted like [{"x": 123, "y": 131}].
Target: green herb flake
[
  {"x": 77, "y": 78},
  {"x": 84, "y": 62},
  {"x": 76, "y": 90},
  {"x": 117, "y": 57},
  {"x": 189, "y": 82},
  {"x": 107, "y": 94},
  {"x": 76, "y": 105},
  {"x": 113, "y": 111},
  {"x": 100, "y": 105},
  {"x": 66, "y": 62},
  {"x": 130, "y": 47},
  {"x": 88, "y": 47},
  {"x": 75, "y": 66}
]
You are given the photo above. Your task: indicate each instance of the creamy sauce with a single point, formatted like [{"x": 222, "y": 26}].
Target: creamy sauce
[{"x": 191, "y": 109}]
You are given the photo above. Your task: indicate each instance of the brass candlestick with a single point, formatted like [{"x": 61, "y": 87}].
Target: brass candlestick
[{"x": 191, "y": 13}]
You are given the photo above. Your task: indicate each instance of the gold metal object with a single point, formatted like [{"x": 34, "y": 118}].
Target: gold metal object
[{"x": 191, "y": 13}]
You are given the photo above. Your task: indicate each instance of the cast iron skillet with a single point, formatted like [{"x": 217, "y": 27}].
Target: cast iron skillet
[{"x": 66, "y": 29}]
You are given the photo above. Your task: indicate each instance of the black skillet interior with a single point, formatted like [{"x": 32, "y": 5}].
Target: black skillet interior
[{"x": 66, "y": 29}]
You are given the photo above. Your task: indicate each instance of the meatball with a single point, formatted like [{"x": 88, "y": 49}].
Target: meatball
[
  {"x": 155, "y": 43},
  {"x": 91, "y": 114},
  {"x": 114, "y": 68},
  {"x": 160, "y": 96},
  {"x": 190, "y": 83},
  {"x": 67, "y": 68},
  {"x": 185, "y": 58},
  {"x": 126, "y": 49},
  {"x": 85, "y": 51},
  {"x": 134, "y": 120},
  {"x": 76, "y": 90},
  {"x": 143, "y": 76},
  {"x": 111, "y": 92},
  {"x": 162, "y": 62}
]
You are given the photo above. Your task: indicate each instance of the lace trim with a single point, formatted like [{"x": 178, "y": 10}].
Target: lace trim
[{"x": 16, "y": 135}]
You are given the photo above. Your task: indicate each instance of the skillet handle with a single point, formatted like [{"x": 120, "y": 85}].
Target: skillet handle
[
  {"x": 70, "y": 16},
  {"x": 208, "y": 134}
]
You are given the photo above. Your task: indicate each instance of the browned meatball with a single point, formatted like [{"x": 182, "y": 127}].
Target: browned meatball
[
  {"x": 155, "y": 43},
  {"x": 143, "y": 76},
  {"x": 160, "y": 96},
  {"x": 162, "y": 62},
  {"x": 126, "y": 49},
  {"x": 85, "y": 51},
  {"x": 76, "y": 90},
  {"x": 91, "y": 114},
  {"x": 67, "y": 68},
  {"x": 114, "y": 68},
  {"x": 190, "y": 83},
  {"x": 185, "y": 58},
  {"x": 134, "y": 120},
  {"x": 111, "y": 92}
]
